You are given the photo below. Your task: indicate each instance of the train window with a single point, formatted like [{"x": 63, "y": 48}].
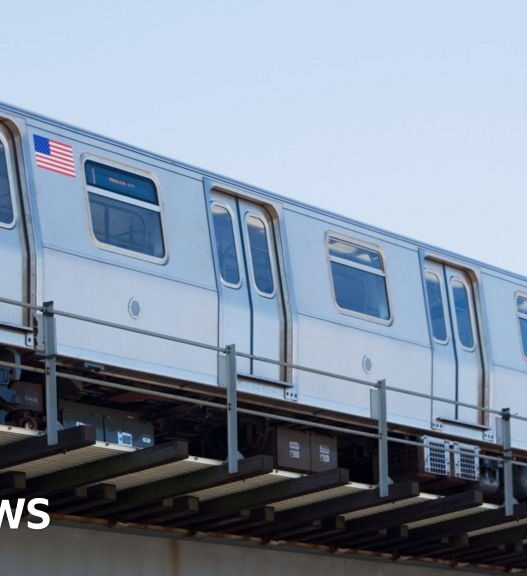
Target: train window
[
  {"x": 6, "y": 207},
  {"x": 225, "y": 245},
  {"x": 260, "y": 257},
  {"x": 435, "y": 307},
  {"x": 359, "y": 280},
  {"x": 463, "y": 318},
  {"x": 122, "y": 182},
  {"x": 124, "y": 209},
  {"x": 521, "y": 302},
  {"x": 355, "y": 254}
]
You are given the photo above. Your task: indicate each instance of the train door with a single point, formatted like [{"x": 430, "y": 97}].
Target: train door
[
  {"x": 251, "y": 304},
  {"x": 457, "y": 356},
  {"x": 13, "y": 252}
]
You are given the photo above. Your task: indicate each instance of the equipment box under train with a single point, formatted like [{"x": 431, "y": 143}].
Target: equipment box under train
[
  {"x": 128, "y": 430},
  {"x": 114, "y": 426},
  {"x": 323, "y": 452},
  {"x": 304, "y": 451},
  {"x": 75, "y": 414}
]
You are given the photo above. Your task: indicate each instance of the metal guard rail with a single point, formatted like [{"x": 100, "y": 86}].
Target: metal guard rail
[{"x": 227, "y": 378}]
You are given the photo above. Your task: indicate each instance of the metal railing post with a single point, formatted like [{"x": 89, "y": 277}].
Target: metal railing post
[
  {"x": 508, "y": 480},
  {"x": 230, "y": 377},
  {"x": 382, "y": 430},
  {"x": 50, "y": 356}
]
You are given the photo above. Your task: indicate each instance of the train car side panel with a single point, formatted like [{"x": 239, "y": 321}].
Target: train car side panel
[
  {"x": 86, "y": 275},
  {"x": 506, "y": 343},
  {"x": 330, "y": 339}
]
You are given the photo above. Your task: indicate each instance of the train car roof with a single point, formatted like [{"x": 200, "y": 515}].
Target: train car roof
[{"x": 271, "y": 195}]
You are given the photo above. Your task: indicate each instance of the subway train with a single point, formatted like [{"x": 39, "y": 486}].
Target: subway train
[{"x": 121, "y": 235}]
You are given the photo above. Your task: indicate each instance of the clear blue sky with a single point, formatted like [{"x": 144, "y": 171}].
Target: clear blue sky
[{"x": 410, "y": 115}]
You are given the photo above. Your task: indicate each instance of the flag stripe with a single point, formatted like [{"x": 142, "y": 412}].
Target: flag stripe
[
  {"x": 53, "y": 168},
  {"x": 59, "y": 171},
  {"x": 51, "y": 165},
  {"x": 58, "y": 161},
  {"x": 59, "y": 152},
  {"x": 60, "y": 145},
  {"x": 52, "y": 162}
]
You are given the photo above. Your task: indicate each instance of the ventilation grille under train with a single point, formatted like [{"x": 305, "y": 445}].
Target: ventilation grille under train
[
  {"x": 466, "y": 461},
  {"x": 436, "y": 456},
  {"x": 436, "y": 460}
]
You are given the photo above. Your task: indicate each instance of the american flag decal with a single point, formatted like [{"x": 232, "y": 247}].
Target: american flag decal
[{"x": 54, "y": 156}]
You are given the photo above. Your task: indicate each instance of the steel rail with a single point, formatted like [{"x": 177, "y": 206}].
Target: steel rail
[{"x": 289, "y": 365}]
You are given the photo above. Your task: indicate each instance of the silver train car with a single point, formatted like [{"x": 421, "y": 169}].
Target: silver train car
[{"x": 119, "y": 234}]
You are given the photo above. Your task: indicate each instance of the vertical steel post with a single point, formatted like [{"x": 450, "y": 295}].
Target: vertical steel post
[
  {"x": 50, "y": 356},
  {"x": 382, "y": 431},
  {"x": 230, "y": 376},
  {"x": 508, "y": 482}
]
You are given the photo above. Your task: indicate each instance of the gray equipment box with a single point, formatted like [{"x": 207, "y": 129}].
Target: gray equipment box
[
  {"x": 113, "y": 426},
  {"x": 323, "y": 452},
  {"x": 128, "y": 430},
  {"x": 293, "y": 449},
  {"x": 74, "y": 414}
]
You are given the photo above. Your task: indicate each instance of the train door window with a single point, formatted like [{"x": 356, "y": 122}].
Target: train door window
[
  {"x": 6, "y": 204},
  {"x": 125, "y": 211},
  {"x": 463, "y": 314},
  {"x": 226, "y": 250},
  {"x": 260, "y": 256},
  {"x": 521, "y": 302},
  {"x": 436, "y": 308},
  {"x": 359, "y": 279}
]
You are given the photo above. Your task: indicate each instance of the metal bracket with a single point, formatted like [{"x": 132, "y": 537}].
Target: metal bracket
[
  {"x": 291, "y": 395},
  {"x": 382, "y": 431},
  {"x": 229, "y": 379},
  {"x": 508, "y": 480},
  {"x": 489, "y": 436},
  {"x": 37, "y": 337},
  {"x": 48, "y": 349}
]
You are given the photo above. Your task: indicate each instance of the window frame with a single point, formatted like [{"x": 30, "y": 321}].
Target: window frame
[
  {"x": 10, "y": 163},
  {"x": 236, "y": 244},
  {"x": 250, "y": 265},
  {"x": 444, "y": 301},
  {"x": 159, "y": 208},
  {"x": 520, "y": 316},
  {"x": 383, "y": 273},
  {"x": 471, "y": 312}
]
